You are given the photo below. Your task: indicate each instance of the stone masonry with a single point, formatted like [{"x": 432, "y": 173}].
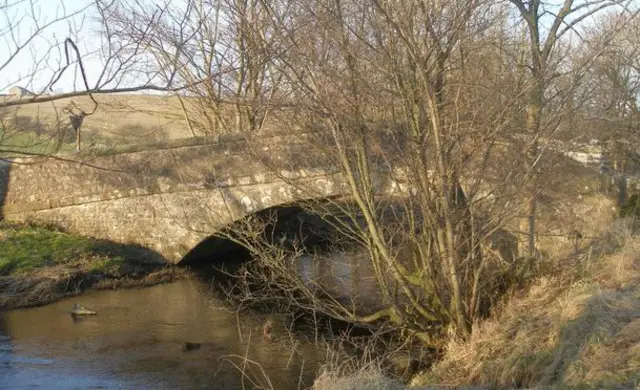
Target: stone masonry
[{"x": 169, "y": 197}]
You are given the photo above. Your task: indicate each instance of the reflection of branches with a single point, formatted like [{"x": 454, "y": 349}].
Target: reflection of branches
[
  {"x": 257, "y": 381},
  {"x": 275, "y": 275}
]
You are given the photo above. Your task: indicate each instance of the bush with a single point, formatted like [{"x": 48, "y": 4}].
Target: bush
[{"x": 631, "y": 208}]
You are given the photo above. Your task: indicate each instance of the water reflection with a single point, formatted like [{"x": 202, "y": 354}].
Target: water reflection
[
  {"x": 347, "y": 276},
  {"x": 137, "y": 338},
  {"x": 136, "y": 341}
]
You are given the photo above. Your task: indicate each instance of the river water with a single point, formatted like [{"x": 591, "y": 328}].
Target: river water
[{"x": 137, "y": 339}]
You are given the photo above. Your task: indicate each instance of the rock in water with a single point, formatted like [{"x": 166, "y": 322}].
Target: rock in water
[{"x": 80, "y": 310}]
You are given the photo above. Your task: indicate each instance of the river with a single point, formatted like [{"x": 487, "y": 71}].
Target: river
[{"x": 137, "y": 339}]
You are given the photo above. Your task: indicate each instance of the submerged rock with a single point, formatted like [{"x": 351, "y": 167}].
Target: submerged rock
[{"x": 191, "y": 346}]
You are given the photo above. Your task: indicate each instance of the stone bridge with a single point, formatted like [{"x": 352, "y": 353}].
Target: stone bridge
[{"x": 168, "y": 197}]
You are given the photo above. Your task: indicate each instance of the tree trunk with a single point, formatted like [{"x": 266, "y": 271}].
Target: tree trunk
[
  {"x": 78, "y": 138},
  {"x": 528, "y": 226}
]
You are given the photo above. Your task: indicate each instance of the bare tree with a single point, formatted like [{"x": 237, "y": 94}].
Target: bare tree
[
  {"x": 609, "y": 92},
  {"x": 224, "y": 43},
  {"x": 542, "y": 46},
  {"x": 388, "y": 91}
]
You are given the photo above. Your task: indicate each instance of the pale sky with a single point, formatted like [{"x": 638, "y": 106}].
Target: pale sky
[
  {"x": 47, "y": 49},
  {"x": 37, "y": 62}
]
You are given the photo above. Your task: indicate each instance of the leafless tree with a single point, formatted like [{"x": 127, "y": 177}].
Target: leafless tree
[
  {"x": 543, "y": 68},
  {"x": 609, "y": 89},
  {"x": 222, "y": 42},
  {"x": 388, "y": 90}
]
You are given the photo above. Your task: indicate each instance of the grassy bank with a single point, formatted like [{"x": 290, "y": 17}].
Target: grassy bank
[
  {"x": 577, "y": 325},
  {"x": 39, "y": 265}
]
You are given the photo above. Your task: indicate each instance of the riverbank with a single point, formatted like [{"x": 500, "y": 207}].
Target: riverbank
[
  {"x": 576, "y": 326},
  {"x": 40, "y": 265}
]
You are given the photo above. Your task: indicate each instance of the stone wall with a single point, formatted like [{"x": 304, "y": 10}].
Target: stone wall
[{"x": 166, "y": 199}]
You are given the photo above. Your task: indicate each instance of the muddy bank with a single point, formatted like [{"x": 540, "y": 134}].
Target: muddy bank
[
  {"x": 40, "y": 264},
  {"x": 48, "y": 284}
]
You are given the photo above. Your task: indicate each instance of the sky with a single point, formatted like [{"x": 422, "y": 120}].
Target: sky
[
  {"x": 43, "y": 56},
  {"x": 34, "y": 65}
]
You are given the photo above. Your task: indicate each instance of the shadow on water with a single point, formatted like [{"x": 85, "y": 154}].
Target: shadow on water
[
  {"x": 218, "y": 256},
  {"x": 216, "y": 259},
  {"x": 343, "y": 274}
]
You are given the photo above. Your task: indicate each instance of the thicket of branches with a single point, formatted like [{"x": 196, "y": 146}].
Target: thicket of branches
[{"x": 453, "y": 101}]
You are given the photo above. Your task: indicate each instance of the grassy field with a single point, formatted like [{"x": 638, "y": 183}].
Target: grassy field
[
  {"x": 15, "y": 144},
  {"x": 119, "y": 120}
]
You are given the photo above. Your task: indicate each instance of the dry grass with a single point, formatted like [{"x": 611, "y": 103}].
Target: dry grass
[
  {"x": 38, "y": 287},
  {"x": 372, "y": 379},
  {"x": 371, "y": 363},
  {"x": 368, "y": 379},
  {"x": 576, "y": 327},
  {"x": 143, "y": 278}
]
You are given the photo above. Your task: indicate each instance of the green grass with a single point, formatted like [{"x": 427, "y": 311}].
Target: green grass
[
  {"x": 24, "y": 143},
  {"x": 106, "y": 264},
  {"x": 25, "y": 248},
  {"x": 15, "y": 143}
]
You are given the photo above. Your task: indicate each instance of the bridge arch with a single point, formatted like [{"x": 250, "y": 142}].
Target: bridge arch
[
  {"x": 287, "y": 222},
  {"x": 168, "y": 198}
]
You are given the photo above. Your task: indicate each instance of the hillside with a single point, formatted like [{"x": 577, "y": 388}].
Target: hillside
[{"x": 119, "y": 118}]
